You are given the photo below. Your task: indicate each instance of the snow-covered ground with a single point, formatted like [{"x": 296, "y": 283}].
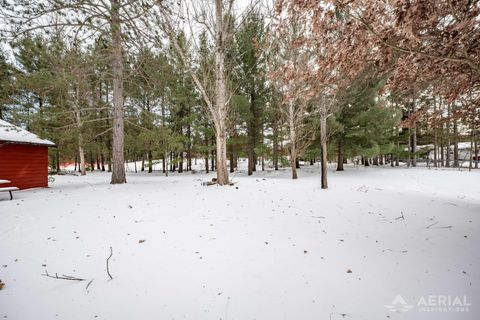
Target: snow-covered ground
[{"x": 266, "y": 248}]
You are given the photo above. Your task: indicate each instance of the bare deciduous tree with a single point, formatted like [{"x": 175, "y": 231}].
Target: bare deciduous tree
[{"x": 217, "y": 104}]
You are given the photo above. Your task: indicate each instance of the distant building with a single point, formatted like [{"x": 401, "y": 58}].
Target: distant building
[
  {"x": 464, "y": 149},
  {"x": 23, "y": 157}
]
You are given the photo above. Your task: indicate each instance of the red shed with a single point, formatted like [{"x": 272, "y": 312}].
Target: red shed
[{"x": 23, "y": 157}]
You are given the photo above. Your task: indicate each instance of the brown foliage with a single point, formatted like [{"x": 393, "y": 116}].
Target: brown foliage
[{"x": 428, "y": 41}]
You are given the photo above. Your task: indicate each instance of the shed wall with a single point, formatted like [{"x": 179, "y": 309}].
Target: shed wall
[{"x": 25, "y": 165}]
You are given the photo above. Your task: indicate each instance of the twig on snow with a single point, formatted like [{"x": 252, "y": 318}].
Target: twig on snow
[
  {"x": 431, "y": 225},
  {"x": 400, "y": 251},
  {"x": 62, "y": 277},
  {"x": 401, "y": 217},
  {"x": 88, "y": 284},
  {"x": 108, "y": 269}
]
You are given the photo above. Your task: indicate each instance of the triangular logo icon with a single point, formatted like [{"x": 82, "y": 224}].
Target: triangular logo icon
[{"x": 399, "y": 305}]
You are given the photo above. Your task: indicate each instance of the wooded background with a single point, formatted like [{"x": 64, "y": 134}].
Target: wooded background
[{"x": 111, "y": 81}]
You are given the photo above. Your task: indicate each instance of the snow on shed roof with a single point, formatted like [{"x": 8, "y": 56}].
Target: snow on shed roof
[{"x": 11, "y": 133}]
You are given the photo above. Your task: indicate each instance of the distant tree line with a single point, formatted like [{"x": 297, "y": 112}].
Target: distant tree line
[{"x": 177, "y": 81}]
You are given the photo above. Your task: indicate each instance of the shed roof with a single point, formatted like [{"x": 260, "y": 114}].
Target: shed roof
[{"x": 11, "y": 133}]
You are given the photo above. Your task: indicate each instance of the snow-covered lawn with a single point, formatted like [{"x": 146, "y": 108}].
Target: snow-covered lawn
[{"x": 266, "y": 248}]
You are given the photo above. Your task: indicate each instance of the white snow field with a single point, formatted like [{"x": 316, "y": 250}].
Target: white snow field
[{"x": 266, "y": 248}]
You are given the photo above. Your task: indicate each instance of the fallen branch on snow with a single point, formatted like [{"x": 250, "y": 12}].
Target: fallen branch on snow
[
  {"x": 62, "y": 277},
  {"x": 401, "y": 217},
  {"x": 88, "y": 284},
  {"x": 108, "y": 270},
  {"x": 431, "y": 225}
]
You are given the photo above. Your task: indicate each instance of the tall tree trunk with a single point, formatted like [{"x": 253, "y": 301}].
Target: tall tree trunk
[
  {"x": 414, "y": 133},
  {"x": 397, "y": 155},
  {"x": 150, "y": 161},
  {"x": 340, "y": 154},
  {"x": 118, "y": 170},
  {"x": 213, "y": 160},
  {"x": 135, "y": 162},
  {"x": 57, "y": 159},
  {"x": 442, "y": 159},
  {"x": 207, "y": 168},
  {"x": 472, "y": 138},
  {"x": 97, "y": 158},
  {"x": 250, "y": 160},
  {"x": 447, "y": 160},
  {"x": 232, "y": 167},
  {"x": 441, "y": 132},
  {"x": 220, "y": 96},
  {"x": 323, "y": 145},
  {"x": 233, "y": 151},
  {"x": 172, "y": 163},
  {"x": 92, "y": 162},
  {"x": 435, "y": 142},
  {"x": 81, "y": 151},
  {"x": 293, "y": 141},
  {"x": 78, "y": 123},
  {"x": 252, "y": 134},
  {"x": 180, "y": 162},
  {"x": 102, "y": 159},
  {"x": 189, "y": 148},
  {"x": 275, "y": 144},
  {"x": 293, "y": 164},
  {"x": 165, "y": 163},
  {"x": 476, "y": 153},
  {"x": 442, "y": 153},
  {"x": 409, "y": 156},
  {"x": 456, "y": 162}
]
